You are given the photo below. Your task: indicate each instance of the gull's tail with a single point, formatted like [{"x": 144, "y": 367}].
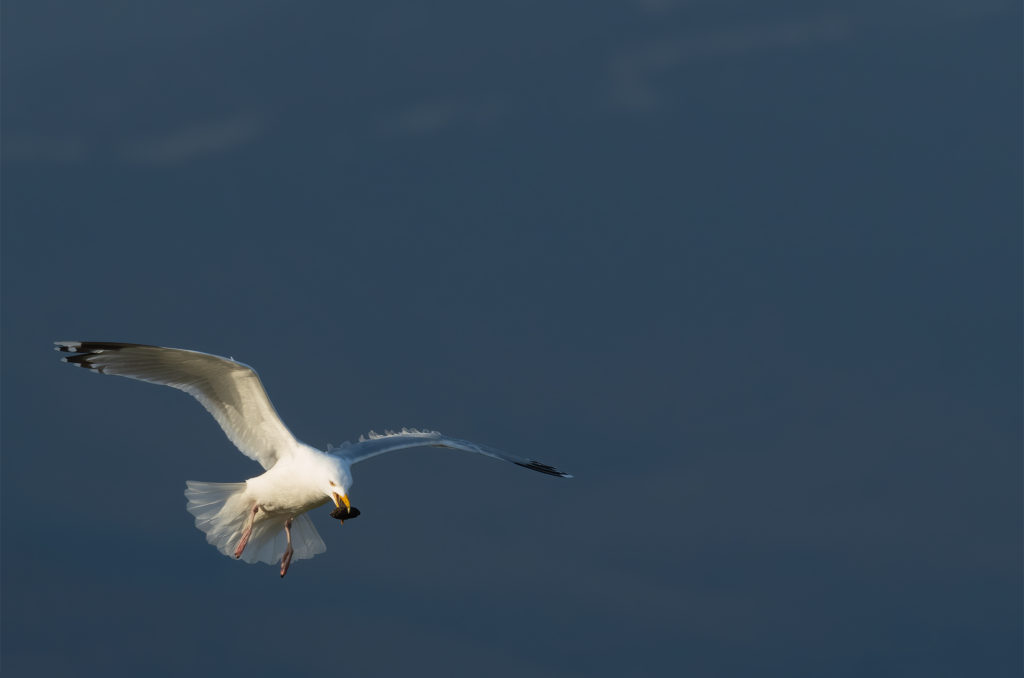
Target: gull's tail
[{"x": 221, "y": 511}]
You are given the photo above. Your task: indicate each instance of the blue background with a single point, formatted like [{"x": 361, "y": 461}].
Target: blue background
[{"x": 751, "y": 272}]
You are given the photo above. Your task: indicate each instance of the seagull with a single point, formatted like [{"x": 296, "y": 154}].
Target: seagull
[{"x": 262, "y": 519}]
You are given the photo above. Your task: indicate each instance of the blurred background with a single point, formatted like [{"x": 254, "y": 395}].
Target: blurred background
[{"x": 751, "y": 272}]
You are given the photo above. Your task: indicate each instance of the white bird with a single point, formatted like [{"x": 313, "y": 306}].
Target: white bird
[{"x": 262, "y": 519}]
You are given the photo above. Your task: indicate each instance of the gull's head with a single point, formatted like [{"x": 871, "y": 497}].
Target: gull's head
[{"x": 338, "y": 482}]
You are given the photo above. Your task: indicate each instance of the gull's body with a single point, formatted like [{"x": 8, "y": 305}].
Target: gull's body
[{"x": 263, "y": 518}]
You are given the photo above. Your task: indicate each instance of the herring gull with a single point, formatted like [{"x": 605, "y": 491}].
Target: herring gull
[{"x": 262, "y": 519}]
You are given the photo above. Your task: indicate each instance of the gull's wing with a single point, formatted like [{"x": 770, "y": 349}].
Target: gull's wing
[
  {"x": 374, "y": 444},
  {"x": 230, "y": 391}
]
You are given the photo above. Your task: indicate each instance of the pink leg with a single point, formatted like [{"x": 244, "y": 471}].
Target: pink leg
[
  {"x": 248, "y": 531},
  {"x": 286, "y": 560}
]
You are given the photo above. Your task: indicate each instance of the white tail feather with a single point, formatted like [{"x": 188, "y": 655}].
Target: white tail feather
[{"x": 221, "y": 511}]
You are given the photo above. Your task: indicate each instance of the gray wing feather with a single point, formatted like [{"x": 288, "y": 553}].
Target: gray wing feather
[
  {"x": 229, "y": 390},
  {"x": 375, "y": 444}
]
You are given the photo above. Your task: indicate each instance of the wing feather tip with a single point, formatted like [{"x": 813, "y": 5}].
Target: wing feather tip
[
  {"x": 98, "y": 346},
  {"x": 83, "y": 360},
  {"x": 542, "y": 468}
]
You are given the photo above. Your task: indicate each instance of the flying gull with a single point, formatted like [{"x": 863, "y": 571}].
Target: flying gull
[{"x": 264, "y": 518}]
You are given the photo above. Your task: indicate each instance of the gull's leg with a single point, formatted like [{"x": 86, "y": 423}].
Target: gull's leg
[
  {"x": 286, "y": 559},
  {"x": 248, "y": 531}
]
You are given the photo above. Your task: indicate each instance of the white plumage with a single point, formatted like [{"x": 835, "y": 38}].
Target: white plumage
[{"x": 263, "y": 518}]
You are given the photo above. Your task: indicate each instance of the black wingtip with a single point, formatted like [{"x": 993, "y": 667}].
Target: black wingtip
[
  {"x": 543, "y": 468},
  {"x": 81, "y": 360},
  {"x": 93, "y": 346},
  {"x": 86, "y": 350}
]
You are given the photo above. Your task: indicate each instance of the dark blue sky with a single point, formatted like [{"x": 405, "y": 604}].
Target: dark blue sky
[{"x": 752, "y": 273}]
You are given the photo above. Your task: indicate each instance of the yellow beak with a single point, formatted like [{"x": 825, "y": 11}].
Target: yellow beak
[{"x": 340, "y": 499}]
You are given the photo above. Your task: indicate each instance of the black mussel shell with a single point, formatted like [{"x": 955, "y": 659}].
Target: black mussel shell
[{"x": 342, "y": 513}]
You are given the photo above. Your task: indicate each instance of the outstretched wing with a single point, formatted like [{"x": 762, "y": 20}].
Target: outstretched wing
[
  {"x": 374, "y": 444},
  {"x": 230, "y": 391}
]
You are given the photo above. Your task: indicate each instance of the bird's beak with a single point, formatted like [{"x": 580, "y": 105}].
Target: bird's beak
[{"x": 340, "y": 499}]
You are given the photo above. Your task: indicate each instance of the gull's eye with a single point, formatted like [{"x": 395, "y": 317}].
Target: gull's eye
[{"x": 331, "y": 483}]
